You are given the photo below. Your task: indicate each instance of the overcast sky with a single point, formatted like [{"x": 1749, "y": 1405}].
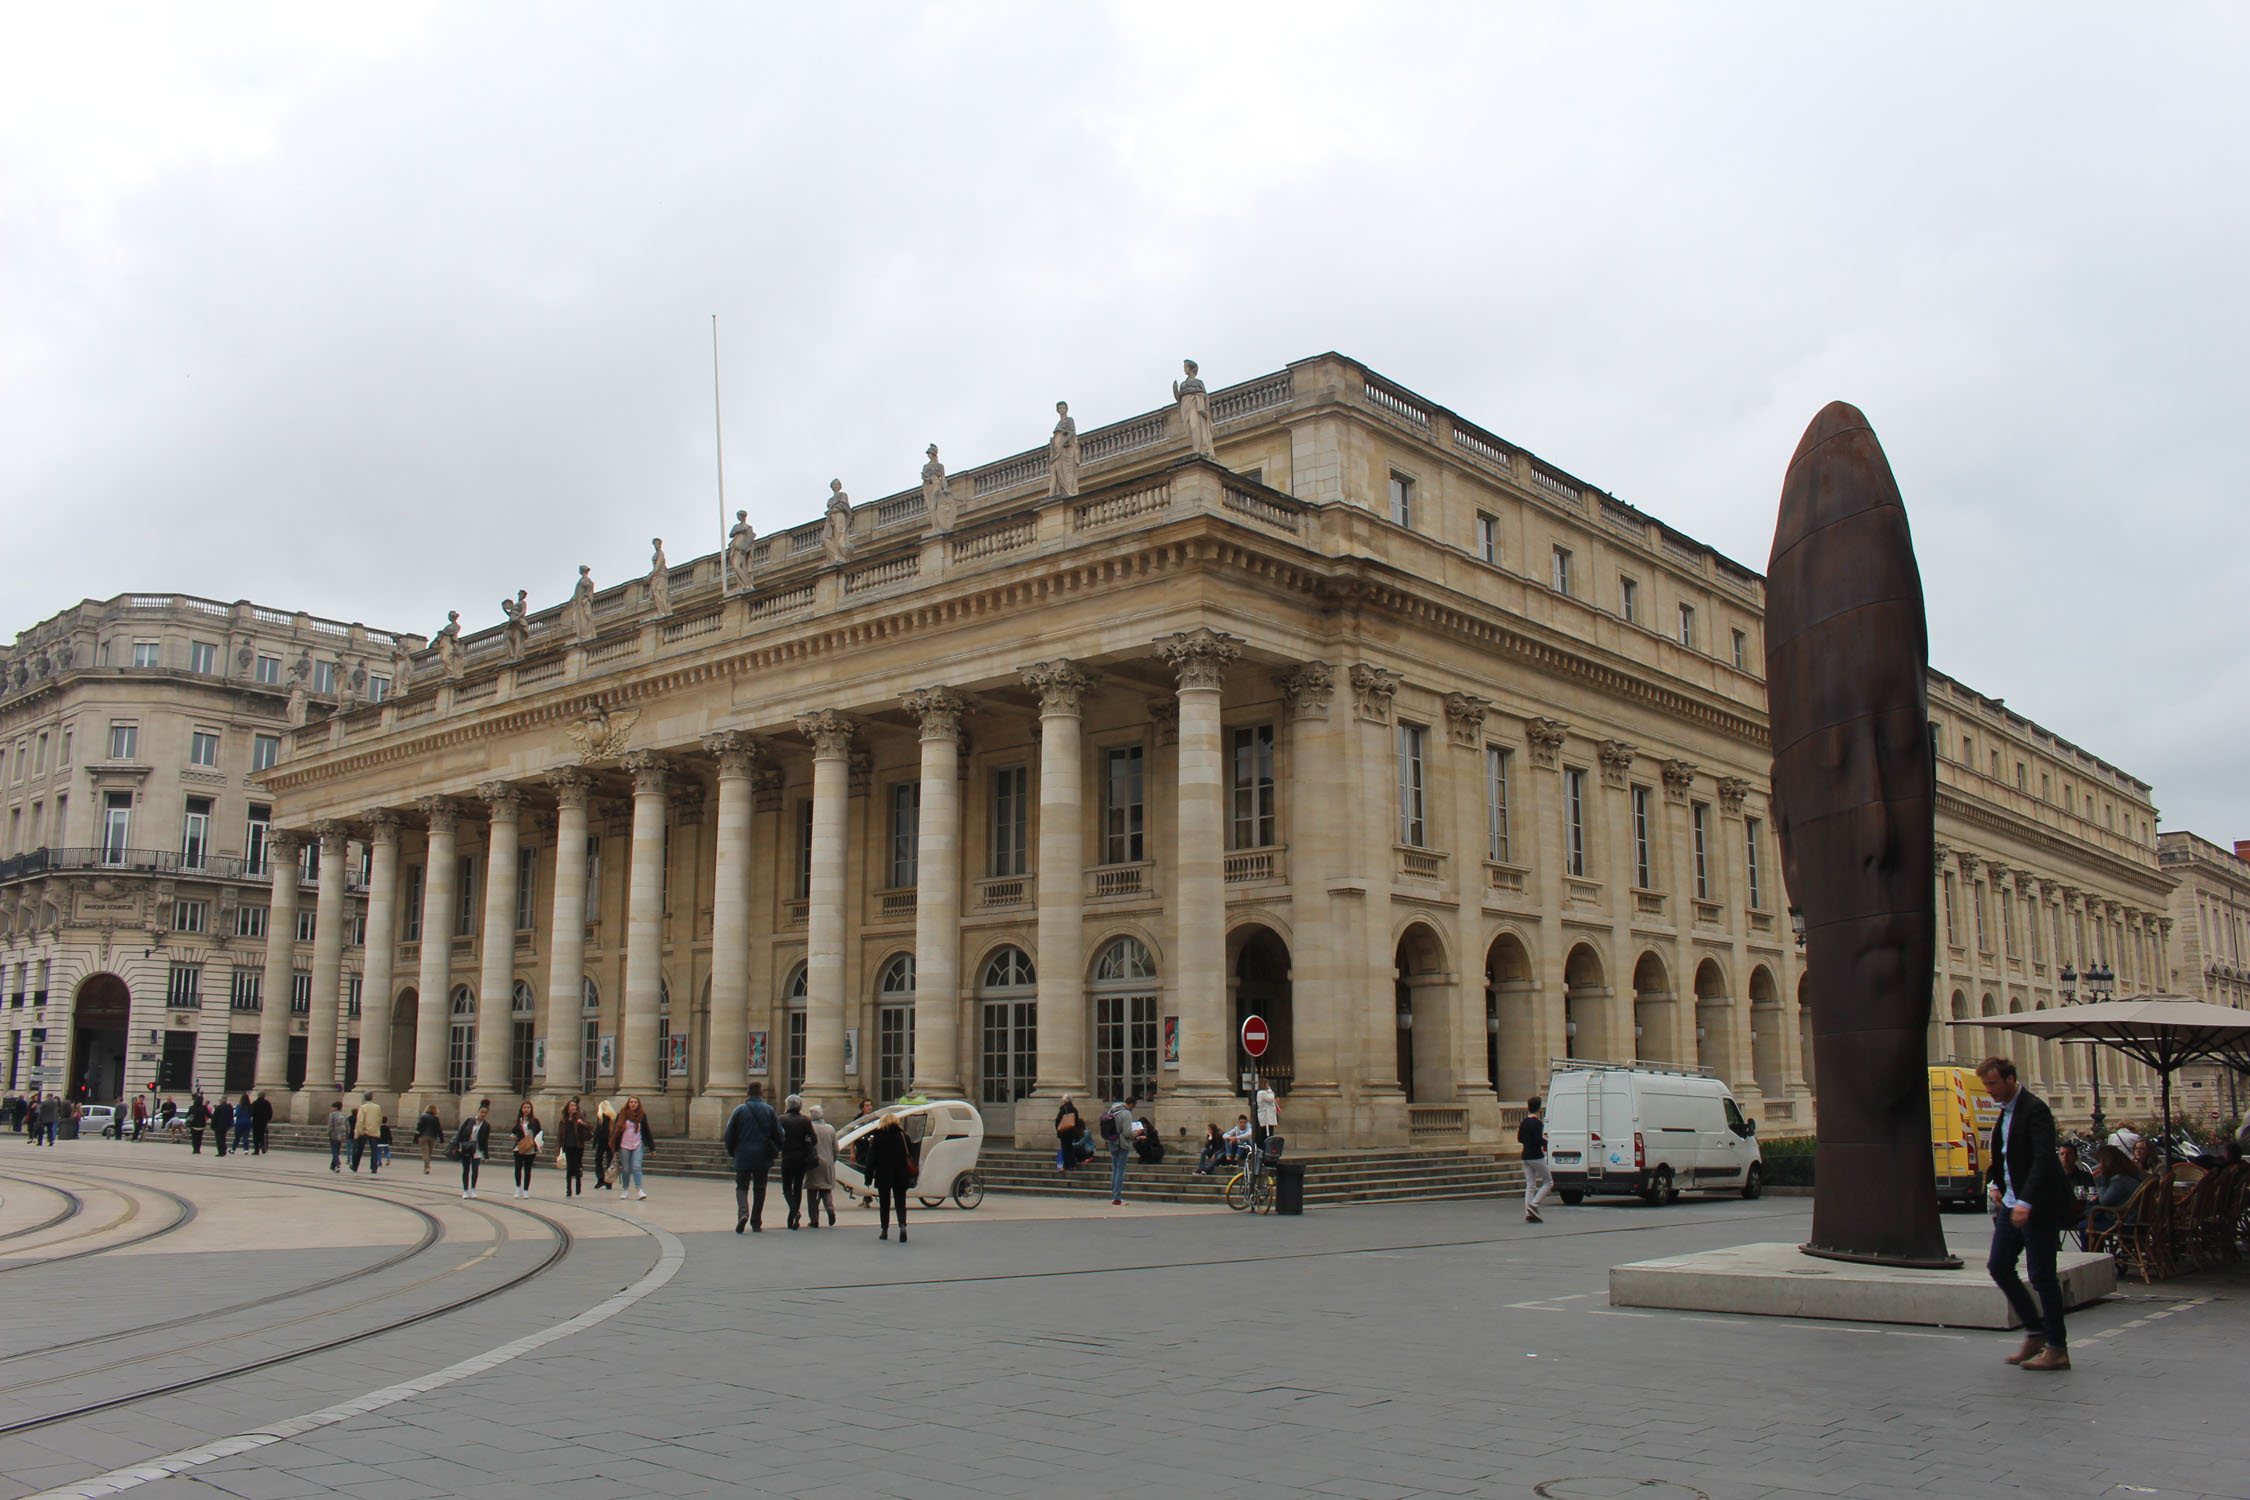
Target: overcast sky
[{"x": 390, "y": 311}]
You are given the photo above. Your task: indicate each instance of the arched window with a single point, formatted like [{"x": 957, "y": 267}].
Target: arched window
[
  {"x": 671, "y": 1061},
  {"x": 1125, "y": 1020},
  {"x": 589, "y": 1056},
  {"x": 1008, "y": 1006},
  {"x": 523, "y": 1036},
  {"x": 894, "y": 1027},
  {"x": 793, "y": 992},
  {"x": 522, "y": 1004},
  {"x": 461, "y": 1049},
  {"x": 590, "y": 998}
]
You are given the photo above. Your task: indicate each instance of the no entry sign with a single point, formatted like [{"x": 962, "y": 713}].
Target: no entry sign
[{"x": 1255, "y": 1037}]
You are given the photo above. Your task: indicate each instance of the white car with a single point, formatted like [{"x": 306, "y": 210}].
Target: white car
[
  {"x": 97, "y": 1119},
  {"x": 1649, "y": 1129}
]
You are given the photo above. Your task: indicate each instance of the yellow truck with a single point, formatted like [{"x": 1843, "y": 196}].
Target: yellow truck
[{"x": 1962, "y": 1115}]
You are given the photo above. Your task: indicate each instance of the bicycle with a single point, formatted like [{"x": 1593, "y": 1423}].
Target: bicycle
[{"x": 1251, "y": 1187}]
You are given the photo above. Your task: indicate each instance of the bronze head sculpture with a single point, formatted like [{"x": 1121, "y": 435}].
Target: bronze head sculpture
[{"x": 1854, "y": 796}]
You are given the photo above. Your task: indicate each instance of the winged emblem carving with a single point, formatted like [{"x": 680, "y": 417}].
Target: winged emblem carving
[{"x": 601, "y": 734}]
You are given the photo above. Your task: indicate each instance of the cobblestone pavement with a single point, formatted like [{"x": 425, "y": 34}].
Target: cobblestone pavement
[{"x": 1032, "y": 1348}]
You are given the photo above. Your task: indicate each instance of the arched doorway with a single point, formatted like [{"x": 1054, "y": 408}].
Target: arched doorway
[
  {"x": 1418, "y": 979},
  {"x": 523, "y": 1036},
  {"x": 1714, "y": 1021},
  {"x": 894, "y": 1027},
  {"x": 1962, "y": 1038},
  {"x": 1124, "y": 998},
  {"x": 461, "y": 1042},
  {"x": 1586, "y": 997},
  {"x": 1511, "y": 1050},
  {"x": 793, "y": 999},
  {"x": 101, "y": 1017},
  {"x": 1654, "y": 1010},
  {"x": 404, "y": 1015},
  {"x": 1765, "y": 1034},
  {"x": 1262, "y": 989},
  {"x": 1008, "y": 1017}
]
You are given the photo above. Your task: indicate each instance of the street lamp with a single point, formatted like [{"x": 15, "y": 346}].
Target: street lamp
[{"x": 2101, "y": 984}]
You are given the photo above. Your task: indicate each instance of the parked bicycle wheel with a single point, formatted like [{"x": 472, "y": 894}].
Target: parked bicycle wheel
[{"x": 1239, "y": 1188}]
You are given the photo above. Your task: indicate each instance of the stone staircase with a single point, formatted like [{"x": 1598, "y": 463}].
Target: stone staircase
[{"x": 1331, "y": 1177}]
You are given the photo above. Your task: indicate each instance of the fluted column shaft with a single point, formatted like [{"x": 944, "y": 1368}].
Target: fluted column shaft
[
  {"x": 381, "y": 961},
  {"x": 730, "y": 917},
  {"x": 1201, "y": 657},
  {"x": 638, "y": 1064},
  {"x": 322, "y": 1076},
  {"x": 441, "y": 879},
  {"x": 566, "y": 937},
  {"x": 281, "y": 963},
  {"x": 497, "y": 973},
  {"x": 831, "y": 735},
  {"x": 1062, "y": 889},
  {"x": 937, "y": 898}
]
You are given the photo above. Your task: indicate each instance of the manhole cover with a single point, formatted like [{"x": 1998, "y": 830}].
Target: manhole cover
[{"x": 1614, "y": 1487}]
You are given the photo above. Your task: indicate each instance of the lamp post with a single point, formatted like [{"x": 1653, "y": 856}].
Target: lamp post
[{"x": 2100, "y": 984}]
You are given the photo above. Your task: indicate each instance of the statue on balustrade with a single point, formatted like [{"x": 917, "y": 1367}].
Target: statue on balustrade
[
  {"x": 300, "y": 705},
  {"x": 937, "y": 494},
  {"x": 243, "y": 657},
  {"x": 579, "y": 612},
  {"x": 300, "y": 670},
  {"x": 659, "y": 579},
  {"x": 742, "y": 550},
  {"x": 448, "y": 644},
  {"x": 836, "y": 525},
  {"x": 1062, "y": 453},
  {"x": 1854, "y": 803},
  {"x": 347, "y": 686},
  {"x": 1195, "y": 411},
  {"x": 518, "y": 627}
]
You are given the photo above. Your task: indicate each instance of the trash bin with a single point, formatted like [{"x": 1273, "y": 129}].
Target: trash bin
[{"x": 1288, "y": 1187}]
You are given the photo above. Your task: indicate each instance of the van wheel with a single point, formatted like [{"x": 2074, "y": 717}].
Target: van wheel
[
  {"x": 1660, "y": 1189},
  {"x": 1753, "y": 1181},
  {"x": 1571, "y": 1196}
]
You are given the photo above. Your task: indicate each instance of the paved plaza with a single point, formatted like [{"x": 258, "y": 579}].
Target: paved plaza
[{"x": 1033, "y": 1347}]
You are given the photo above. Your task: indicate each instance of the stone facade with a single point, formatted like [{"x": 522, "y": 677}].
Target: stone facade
[
  {"x": 2210, "y": 913},
  {"x": 140, "y": 938}
]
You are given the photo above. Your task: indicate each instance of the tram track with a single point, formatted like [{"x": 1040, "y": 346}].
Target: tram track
[
  {"x": 563, "y": 1242},
  {"x": 184, "y": 1216},
  {"x": 73, "y": 1205}
]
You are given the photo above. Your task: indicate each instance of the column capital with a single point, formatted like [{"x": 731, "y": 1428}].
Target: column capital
[
  {"x": 382, "y": 827},
  {"x": 505, "y": 799},
  {"x": 1164, "y": 713},
  {"x": 282, "y": 843},
  {"x": 1060, "y": 685},
  {"x": 939, "y": 709},
  {"x": 735, "y": 751},
  {"x": 829, "y": 731},
  {"x": 332, "y": 833},
  {"x": 573, "y": 785},
  {"x": 648, "y": 771},
  {"x": 1545, "y": 737},
  {"x": 1464, "y": 718},
  {"x": 1200, "y": 656},
  {"x": 1679, "y": 779},
  {"x": 1307, "y": 687},
  {"x": 1617, "y": 764},
  {"x": 444, "y": 814},
  {"x": 1733, "y": 792},
  {"x": 1373, "y": 688}
]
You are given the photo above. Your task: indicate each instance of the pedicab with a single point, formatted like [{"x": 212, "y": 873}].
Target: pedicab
[{"x": 948, "y": 1134}]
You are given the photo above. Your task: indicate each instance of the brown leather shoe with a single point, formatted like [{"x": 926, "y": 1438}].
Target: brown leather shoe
[
  {"x": 2053, "y": 1357},
  {"x": 2032, "y": 1345}
]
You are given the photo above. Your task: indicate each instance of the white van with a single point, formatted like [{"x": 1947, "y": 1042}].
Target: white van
[{"x": 1646, "y": 1128}]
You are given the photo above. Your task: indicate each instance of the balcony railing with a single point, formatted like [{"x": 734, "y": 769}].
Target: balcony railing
[
  {"x": 1257, "y": 866},
  {"x": 142, "y": 862},
  {"x": 1000, "y": 892},
  {"x": 1417, "y": 863},
  {"x": 1107, "y": 882}
]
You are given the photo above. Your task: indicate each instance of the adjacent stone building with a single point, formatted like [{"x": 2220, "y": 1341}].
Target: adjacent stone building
[
  {"x": 2211, "y": 910},
  {"x": 138, "y": 855}
]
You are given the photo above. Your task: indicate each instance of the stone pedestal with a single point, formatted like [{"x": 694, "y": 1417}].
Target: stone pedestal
[{"x": 1778, "y": 1280}]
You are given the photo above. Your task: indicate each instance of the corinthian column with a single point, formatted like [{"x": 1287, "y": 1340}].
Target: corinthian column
[
  {"x": 1062, "y": 891},
  {"x": 730, "y": 930},
  {"x": 380, "y": 960},
  {"x": 496, "y": 975},
  {"x": 937, "y": 896},
  {"x": 566, "y": 937},
  {"x": 327, "y": 969},
  {"x": 831, "y": 736},
  {"x": 644, "y": 927},
  {"x": 281, "y": 963},
  {"x": 1201, "y": 658},
  {"x": 441, "y": 876}
]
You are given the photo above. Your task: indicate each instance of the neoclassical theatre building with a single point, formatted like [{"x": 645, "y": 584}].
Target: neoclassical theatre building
[{"x": 1301, "y": 697}]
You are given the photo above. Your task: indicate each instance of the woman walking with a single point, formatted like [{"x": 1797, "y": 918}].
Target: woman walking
[
  {"x": 633, "y": 1139},
  {"x": 198, "y": 1119},
  {"x": 892, "y": 1167},
  {"x": 574, "y": 1133},
  {"x": 529, "y": 1139},
  {"x": 243, "y": 1117},
  {"x": 472, "y": 1143},
  {"x": 429, "y": 1134},
  {"x": 820, "y": 1177},
  {"x": 605, "y": 1142}
]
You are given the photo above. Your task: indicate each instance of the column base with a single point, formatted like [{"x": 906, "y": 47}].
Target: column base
[
  {"x": 1035, "y": 1115},
  {"x": 707, "y": 1114},
  {"x": 309, "y": 1106}
]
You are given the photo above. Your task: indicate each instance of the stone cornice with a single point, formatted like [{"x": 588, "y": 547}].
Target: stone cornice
[{"x": 2060, "y": 852}]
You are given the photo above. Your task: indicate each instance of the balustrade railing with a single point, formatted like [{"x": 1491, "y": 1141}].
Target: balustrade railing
[
  {"x": 1112, "y": 509},
  {"x": 1397, "y": 403},
  {"x": 1003, "y": 891},
  {"x": 1420, "y": 864},
  {"x": 1252, "y": 866},
  {"x": 1263, "y": 508},
  {"x": 1000, "y": 539}
]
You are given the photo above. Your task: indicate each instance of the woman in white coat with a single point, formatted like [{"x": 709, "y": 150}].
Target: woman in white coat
[{"x": 820, "y": 1177}]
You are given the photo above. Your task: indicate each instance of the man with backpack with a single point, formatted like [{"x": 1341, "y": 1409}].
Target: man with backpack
[{"x": 1117, "y": 1134}]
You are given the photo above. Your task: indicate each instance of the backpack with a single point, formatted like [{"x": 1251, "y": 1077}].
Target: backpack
[{"x": 1109, "y": 1127}]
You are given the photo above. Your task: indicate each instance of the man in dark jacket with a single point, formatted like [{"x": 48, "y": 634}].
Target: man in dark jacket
[
  {"x": 261, "y": 1116},
  {"x": 2031, "y": 1205},
  {"x": 753, "y": 1139},
  {"x": 798, "y": 1146}
]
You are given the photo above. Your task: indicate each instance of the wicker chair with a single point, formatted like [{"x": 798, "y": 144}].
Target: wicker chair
[
  {"x": 2213, "y": 1213},
  {"x": 2128, "y": 1233}
]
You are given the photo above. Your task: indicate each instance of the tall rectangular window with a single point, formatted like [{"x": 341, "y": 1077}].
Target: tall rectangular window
[
  {"x": 410, "y": 910},
  {"x": 1751, "y": 828},
  {"x": 203, "y": 747},
  {"x": 148, "y": 654},
  {"x": 1643, "y": 867},
  {"x": 527, "y": 889},
  {"x": 250, "y": 921},
  {"x": 1741, "y": 651},
  {"x": 265, "y": 751},
  {"x": 1412, "y": 823},
  {"x": 1562, "y": 570},
  {"x": 191, "y": 916},
  {"x": 203, "y": 657},
  {"x": 124, "y": 739},
  {"x": 1251, "y": 788},
  {"x": 465, "y": 909},
  {"x": 2031, "y": 929},
  {"x": 254, "y": 839},
  {"x": 246, "y": 989},
  {"x": 1687, "y": 626},
  {"x": 300, "y": 992},
  {"x": 1699, "y": 825},
  {"x": 1496, "y": 804},
  {"x": 1629, "y": 601},
  {"x": 269, "y": 670},
  {"x": 1574, "y": 822},
  {"x": 195, "y": 834},
  {"x": 1488, "y": 538},
  {"x": 378, "y": 687},
  {"x": 906, "y": 836},
  {"x": 593, "y": 877},
  {"x": 117, "y": 826},
  {"x": 1976, "y": 895},
  {"x": 39, "y": 757},
  {"x": 2007, "y": 922},
  {"x": 185, "y": 992},
  {"x": 1122, "y": 833},
  {"x": 804, "y": 849},
  {"x": 1402, "y": 499},
  {"x": 1952, "y": 919},
  {"x": 308, "y": 918},
  {"x": 324, "y": 677},
  {"x": 1011, "y": 820}
]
